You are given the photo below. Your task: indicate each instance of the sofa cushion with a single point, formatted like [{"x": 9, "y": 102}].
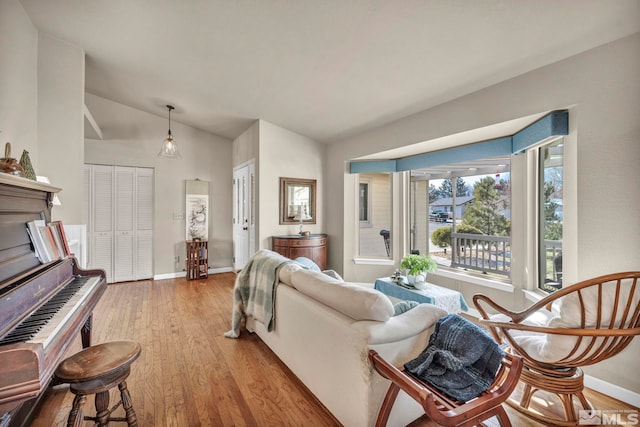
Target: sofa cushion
[
  {"x": 403, "y": 306},
  {"x": 357, "y": 302},
  {"x": 307, "y": 263},
  {"x": 333, "y": 274},
  {"x": 286, "y": 270}
]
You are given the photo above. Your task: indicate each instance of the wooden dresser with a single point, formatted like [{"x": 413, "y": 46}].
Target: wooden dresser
[{"x": 313, "y": 247}]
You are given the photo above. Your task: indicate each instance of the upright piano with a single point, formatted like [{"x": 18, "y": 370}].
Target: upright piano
[{"x": 43, "y": 307}]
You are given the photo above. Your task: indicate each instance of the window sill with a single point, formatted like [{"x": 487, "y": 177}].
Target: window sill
[
  {"x": 468, "y": 278},
  {"x": 533, "y": 296},
  {"x": 373, "y": 261}
]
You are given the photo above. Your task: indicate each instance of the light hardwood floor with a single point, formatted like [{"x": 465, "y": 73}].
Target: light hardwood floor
[{"x": 189, "y": 375}]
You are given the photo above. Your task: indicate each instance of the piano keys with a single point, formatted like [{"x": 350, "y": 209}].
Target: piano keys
[
  {"x": 44, "y": 323},
  {"x": 43, "y": 307}
]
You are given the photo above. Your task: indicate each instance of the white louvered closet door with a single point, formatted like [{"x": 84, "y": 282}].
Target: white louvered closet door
[
  {"x": 120, "y": 221},
  {"x": 102, "y": 219},
  {"x": 144, "y": 221},
  {"x": 123, "y": 268}
]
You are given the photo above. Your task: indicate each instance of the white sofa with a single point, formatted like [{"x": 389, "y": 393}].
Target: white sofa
[{"x": 323, "y": 331}]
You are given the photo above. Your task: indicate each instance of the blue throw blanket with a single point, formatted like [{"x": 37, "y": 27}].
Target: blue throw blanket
[
  {"x": 254, "y": 293},
  {"x": 461, "y": 359}
]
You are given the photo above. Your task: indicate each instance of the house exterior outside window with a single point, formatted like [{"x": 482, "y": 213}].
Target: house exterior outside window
[
  {"x": 465, "y": 225},
  {"x": 550, "y": 215},
  {"x": 375, "y": 214}
]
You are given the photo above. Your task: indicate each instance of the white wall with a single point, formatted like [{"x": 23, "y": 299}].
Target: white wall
[
  {"x": 246, "y": 148},
  {"x": 18, "y": 82},
  {"x": 133, "y": 138},
  {"x": 61, "y": 123},
  {"x": 602, "y": 90},
  {"x": 286, "y": 154},
  {"x": 42, "y": 91}
]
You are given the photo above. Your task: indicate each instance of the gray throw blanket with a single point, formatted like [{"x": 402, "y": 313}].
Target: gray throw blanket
[
  {"x": 255, "y": 290},
  {"x": 461, "y": 359}
]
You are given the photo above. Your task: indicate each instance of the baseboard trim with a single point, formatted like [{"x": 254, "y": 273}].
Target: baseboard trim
[
  {"x": 612, "y": 390},
  {"x": 184, "y": 274}
]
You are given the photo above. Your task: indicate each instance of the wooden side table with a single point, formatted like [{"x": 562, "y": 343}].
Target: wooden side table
[
  {"x": 313, "y": 247},
  {"x": 197, "y": 259}
]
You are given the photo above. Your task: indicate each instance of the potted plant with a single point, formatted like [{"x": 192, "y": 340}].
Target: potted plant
[{"x": 417, "y": 265}]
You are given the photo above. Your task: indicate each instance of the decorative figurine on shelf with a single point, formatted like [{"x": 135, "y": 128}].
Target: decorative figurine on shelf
[
  {"x": 302, "y": 216},
  {"x": 10, "y": 165},
  {"x": 25, "y": 162}
]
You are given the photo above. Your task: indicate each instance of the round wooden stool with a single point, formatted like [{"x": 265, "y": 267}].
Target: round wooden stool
[{"x": 95, "y": 370}]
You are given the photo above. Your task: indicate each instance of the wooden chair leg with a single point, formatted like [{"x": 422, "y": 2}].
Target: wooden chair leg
[
  {"x": 127, "y": 404},
  {"x": 387, "y": 405},
  {"x": 102, "y": 408},
  {"x": 527, "y": 392},
  {"x": 502, "y": 417},
  {"x": 585, "y": 403},
  {"x": 76, "y": 416}
]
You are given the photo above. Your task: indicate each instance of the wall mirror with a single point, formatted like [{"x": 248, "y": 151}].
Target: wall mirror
[{"x": 297, "y": 201}]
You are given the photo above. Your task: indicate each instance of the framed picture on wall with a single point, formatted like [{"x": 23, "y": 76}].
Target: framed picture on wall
[
  {"x": 197, "y": 216},
  {"x": 197, "y": 210}
]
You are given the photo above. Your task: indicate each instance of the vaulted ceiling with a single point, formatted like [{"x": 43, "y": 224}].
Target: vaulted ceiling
[{"x": 327, "y": 69}]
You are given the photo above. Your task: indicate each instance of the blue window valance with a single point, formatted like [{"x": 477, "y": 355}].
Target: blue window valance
[{"x": 552, "y": 125}]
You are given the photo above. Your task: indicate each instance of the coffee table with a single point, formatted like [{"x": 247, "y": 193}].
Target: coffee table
[{"x": 447, "y": 299}]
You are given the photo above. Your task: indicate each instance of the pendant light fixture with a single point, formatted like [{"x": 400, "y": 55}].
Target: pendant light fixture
[{"x": 169, "y": 148}]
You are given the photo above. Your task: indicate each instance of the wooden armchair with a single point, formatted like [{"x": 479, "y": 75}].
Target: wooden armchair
[
  {"x": 442, "y": 409},
  {"x": 576, "y": 326}
]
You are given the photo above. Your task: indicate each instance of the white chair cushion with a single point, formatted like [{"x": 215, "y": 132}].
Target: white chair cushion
[
  {"x": 543, "y": 347},
  {"x": 570, "y": 306},
  {"x": 539, "y": 318},
  {"x": 355, "y": 301}
]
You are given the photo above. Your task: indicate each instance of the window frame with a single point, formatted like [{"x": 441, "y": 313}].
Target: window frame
[
  {"x": 366, "y": 182},
  {"x": 523, "y": 199},
  {"x": 541, "y": 220}
]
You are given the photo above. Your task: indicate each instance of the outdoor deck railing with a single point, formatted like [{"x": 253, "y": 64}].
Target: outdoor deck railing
[{"x": 489, "y": 254}]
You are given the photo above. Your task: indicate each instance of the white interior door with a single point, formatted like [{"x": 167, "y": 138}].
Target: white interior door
[
  {"x": 119, "y": 211},
  {"x": 144, "y": 220},
  {"x": 101, "y": 255},
  {"x": 243, "y": 217},
  {"x": 123, "y": 268}
]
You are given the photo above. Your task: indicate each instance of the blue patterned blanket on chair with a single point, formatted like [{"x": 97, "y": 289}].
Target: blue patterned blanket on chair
[{"x": 461, "y": 359}]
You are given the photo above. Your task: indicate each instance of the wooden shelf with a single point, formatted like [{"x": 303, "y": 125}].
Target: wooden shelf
[{"x": 197, "y": 259}]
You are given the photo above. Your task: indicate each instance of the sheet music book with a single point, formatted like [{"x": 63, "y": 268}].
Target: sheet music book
[
  {"x": 49, "y": 240},
  {"x": 33, "y": 229}
]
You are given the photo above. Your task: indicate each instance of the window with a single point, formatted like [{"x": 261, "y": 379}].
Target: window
[
  {"x": 375, "y": 213},
  {"x": 459, "y": 203},
  {"x": 364, "y": 203},
  {"x": 550, "y": 218},
  {"x": 448, "y": 216}
]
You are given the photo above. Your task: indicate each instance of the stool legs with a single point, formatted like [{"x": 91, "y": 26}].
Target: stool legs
[
  {"x": 76, "y": 416},
  {"x": 103, "y": 412},
  {"x": 132, "y": 420},
  {"x": 102, "y": 408}
]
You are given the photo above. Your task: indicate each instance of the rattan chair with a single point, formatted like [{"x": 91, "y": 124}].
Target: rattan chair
[{"x": 576, "y": 326}]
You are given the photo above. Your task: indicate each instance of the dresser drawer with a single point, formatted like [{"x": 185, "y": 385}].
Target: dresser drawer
[{"x": 313, "y": 247}]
